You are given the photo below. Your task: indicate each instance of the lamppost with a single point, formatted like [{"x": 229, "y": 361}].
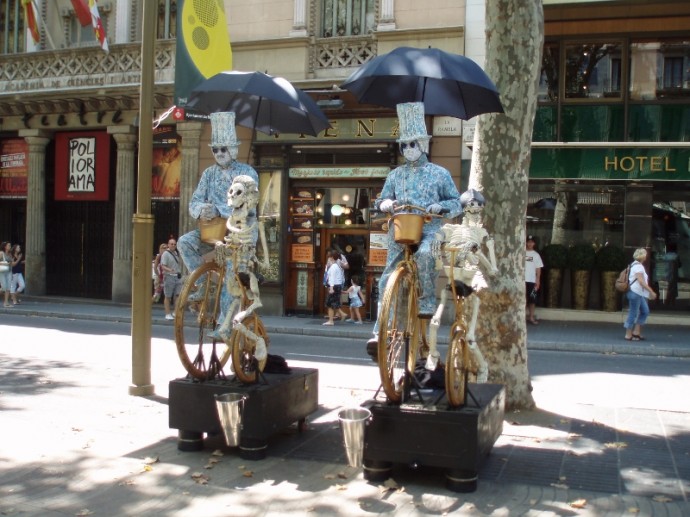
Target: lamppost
[{"x": 143, "y": 219}]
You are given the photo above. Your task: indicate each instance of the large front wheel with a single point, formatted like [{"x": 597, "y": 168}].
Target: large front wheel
[
  {"x": 196, "y": 315},
  {"x": 398, "y": 325}
]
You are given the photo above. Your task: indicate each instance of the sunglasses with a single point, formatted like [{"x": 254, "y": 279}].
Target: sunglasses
[
  {"x": 216, "y": 150},
  {"x": 411, "y": 145}
]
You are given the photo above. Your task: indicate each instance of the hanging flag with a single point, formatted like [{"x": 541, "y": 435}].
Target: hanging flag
[
  {"x": 81, "y": 9},
  {"x": 98, "y": 25},
  {"x": 203, "y": 45},
  {"x": 30, "y": 18}
]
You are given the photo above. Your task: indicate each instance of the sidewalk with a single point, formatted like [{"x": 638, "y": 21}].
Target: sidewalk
[
  {"x": 666, "y": 334},
  {"x": 74, "y": 443}
]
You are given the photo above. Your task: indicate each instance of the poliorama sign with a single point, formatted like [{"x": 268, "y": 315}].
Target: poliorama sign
[{"x": 640, "y": 164}]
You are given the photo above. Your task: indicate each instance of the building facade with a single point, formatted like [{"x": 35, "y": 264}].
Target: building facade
[{"x": 65, "y": 102}]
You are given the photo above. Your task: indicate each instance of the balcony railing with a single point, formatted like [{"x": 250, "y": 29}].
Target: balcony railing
[{"x": 81, "y": 72}]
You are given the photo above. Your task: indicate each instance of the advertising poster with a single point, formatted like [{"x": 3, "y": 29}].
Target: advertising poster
[
  {"x": 82, "y": 166},
  {"x": 167, "y": 164},
  {"x": 14, "y": 167},
  {"x": 378, "y": 249}
]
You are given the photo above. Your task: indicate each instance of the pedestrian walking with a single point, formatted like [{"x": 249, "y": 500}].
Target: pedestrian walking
[
  {"x": 17, "y": 283},
  {"x": 638, "y": 294},
  {"x": 171, "y": 263},
  {"x": 6, "y": 271},
  {"x": 354, "y": 293},
  {"x": 533, "y": 267},
  {"x": 336, "y": 277}
]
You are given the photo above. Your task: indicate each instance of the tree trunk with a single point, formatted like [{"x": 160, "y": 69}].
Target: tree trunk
[{"x": 500, "y": 169}]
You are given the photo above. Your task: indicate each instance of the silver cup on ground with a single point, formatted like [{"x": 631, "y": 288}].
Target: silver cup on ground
[
  {"x": 230, "y": 407},
  {"x": 353, "y": 422}
]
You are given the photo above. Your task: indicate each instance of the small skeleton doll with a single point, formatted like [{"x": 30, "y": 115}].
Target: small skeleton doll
[
  {"x": 467, "y": 266},
  {"x": 239, "y": 253}
]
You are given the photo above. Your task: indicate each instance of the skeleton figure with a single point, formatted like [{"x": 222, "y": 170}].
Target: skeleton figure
[
  {"x": 239, "y": 253},
  {"x": 467, "y": 267}
]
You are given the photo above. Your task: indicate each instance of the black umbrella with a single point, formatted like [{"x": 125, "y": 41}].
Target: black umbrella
[
  {"x": 447, "y": 84},
  {"x": 268, "y": 104}
]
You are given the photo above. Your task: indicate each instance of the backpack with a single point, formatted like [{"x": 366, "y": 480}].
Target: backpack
[{"x": 622, "y": 282}]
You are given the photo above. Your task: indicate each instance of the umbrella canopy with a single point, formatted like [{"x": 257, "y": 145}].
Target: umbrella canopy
[
  {"x": 268, "y": 104},
  {"x": 447, "y": 84}
]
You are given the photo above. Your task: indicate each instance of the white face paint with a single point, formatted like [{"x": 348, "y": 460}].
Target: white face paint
[
  {"x": 411, "y": 151},
  {"x": 224, "y": 155}
]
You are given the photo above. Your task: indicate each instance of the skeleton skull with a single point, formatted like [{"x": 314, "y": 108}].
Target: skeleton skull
[{"x": 243, "y": 193}]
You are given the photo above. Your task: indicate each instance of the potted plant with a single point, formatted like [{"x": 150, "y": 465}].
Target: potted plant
[
  {"x": 555, "y": 257},
  {"x": 610, "y": 261},
  {"x": 581, "y": 259}
]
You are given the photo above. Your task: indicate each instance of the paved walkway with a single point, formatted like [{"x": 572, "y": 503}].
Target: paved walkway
[
  {"x": 667, "y": 334},
  {"x": 74, "y": 443}
]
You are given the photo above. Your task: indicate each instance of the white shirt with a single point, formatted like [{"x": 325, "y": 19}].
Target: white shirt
[
  {"x": 637, "y": 287},
  {"x": 335, "y": 275},
  {"x": 532, "y": 263}
]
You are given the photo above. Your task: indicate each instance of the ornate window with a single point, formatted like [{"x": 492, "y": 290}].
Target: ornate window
[
  {"x": 347, "y": 18},
  {"x": 12, "y": 30},
  {"x": 167, "y": 19}
]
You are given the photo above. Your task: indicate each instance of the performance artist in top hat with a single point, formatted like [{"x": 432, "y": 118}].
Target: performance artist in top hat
[
  {"x": 210, "y": 199},
  {"x": 421, "y": 183}
]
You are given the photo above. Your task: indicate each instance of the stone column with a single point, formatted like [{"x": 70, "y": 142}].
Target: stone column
[
  {"x": 387, "y": 16},
  {"x": 299, "y": 22},
  {"x": 190, "y": 133},
  {"x": 35, "y": 247},
  {"x": 126, "y": 141}
]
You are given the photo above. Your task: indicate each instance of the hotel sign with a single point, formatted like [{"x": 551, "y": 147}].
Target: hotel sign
[{"x": 639, "y": 164}]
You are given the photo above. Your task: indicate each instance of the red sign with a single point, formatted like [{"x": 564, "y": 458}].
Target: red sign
[
  {"x": 14, "y": 167},
  {"x": 82, "y": 166}
]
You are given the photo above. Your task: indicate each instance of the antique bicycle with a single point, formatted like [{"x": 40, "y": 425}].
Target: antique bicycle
[
  {"x": 402, "y": 334},
  {"x": 202, "y": 349}
]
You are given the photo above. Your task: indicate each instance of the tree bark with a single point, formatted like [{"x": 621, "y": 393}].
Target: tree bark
[{"x": 500, "y": 169}]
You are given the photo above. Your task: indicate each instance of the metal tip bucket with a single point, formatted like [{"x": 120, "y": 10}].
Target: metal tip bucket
[
  {"x": 212, "y": 231},
  {"x": 407, "y": 228},
  {"x": 230, "y": 406},
  {"x": 353, "y": 422}
]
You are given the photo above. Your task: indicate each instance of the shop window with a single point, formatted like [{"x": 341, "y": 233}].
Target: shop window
[
  {"x": 270, "y": 195},
  {"x": 548, "y": 80},
  {"x": 659, "y": 69},
  {"x": 592, "y": 123},
  {"x": 12, "y": 31},
  {"x": 545, "y": 124},
  {"x": 594, "y": 215},
  {"x": 347, "y": 18},
  {"x": 342, "y": 206},
  {"x": 593, "y": 70}
]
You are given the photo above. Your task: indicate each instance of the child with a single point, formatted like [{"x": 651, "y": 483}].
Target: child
[{"x": 354, "y": 292}]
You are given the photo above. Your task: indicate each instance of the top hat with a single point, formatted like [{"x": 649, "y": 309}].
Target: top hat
[
  {"x": 223, "y": 129},
  {"x": 412, "y": 125}
]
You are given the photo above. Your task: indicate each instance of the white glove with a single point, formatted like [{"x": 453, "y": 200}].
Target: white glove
[
  {"x": 208, "y": 211},
  {"x": 434, "y": 208},
  {"x": 387, "y": 205}
]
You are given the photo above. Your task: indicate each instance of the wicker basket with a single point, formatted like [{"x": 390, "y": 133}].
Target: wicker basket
[
  {"x": 212, "y": 231},
  {"x": 407, "y": 228}
]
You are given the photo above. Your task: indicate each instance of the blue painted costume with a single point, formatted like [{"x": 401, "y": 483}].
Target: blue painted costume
[
  {"x": 212, "y": 188},
  {"x": 419, "y": 183}
]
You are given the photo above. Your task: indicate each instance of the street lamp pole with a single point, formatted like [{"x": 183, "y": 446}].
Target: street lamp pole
[{"x": 143, "y": 219}]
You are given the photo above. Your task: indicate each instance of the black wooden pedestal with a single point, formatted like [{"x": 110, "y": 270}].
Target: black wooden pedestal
[
  {"x": 419, "y": 434},
  {"x": 268, "y": 408}
]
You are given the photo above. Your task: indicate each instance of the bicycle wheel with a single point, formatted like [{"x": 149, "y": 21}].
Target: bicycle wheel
[
  {"x": 457, "y": 363},
  {"x": 398, "y": 322},
  {"x": 243, "y": 346},
  {"x": 202, "y": 357}
]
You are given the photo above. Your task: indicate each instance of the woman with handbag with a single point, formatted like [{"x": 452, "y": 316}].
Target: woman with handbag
[
  {"x": 6, "y": 271},
  {"x": 637, "y": 295}
]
